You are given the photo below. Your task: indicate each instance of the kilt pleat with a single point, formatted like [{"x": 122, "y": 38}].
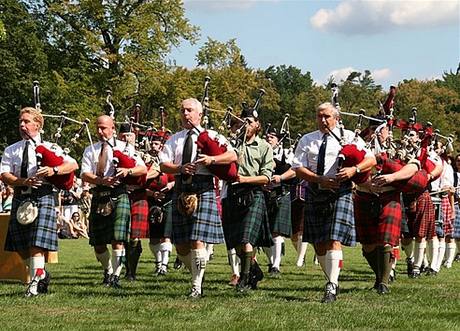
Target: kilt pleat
[
  {"x": 378, "y": 218},
  {"x": 251, "y": 227},
  {"x": 41, "y": 233},
  {"x": 421, "y": 222},
  {"x": 139, "y": 216},
  {"x": 203, "y": 225},
  {"x": 279, "y": 215},
  {"x": 330, "y": 219},
  {"x": 114, "y": 227},
  {"x": 456, "y": 233},
  {"x": 447, "y": 216}
]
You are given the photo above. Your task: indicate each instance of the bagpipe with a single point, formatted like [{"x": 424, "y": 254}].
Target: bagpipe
[
  {"x": 47, "y": 157},
  {"x": 350, "y": 155}
]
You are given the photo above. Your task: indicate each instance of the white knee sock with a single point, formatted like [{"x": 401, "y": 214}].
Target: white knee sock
[
  {"x": 276, "y": 251},
  {"x": 419, "y": 253},
  {"x": 234, "y": 261},
  {"x": 209, "y": 250},
  {"x": 104, "y": 259},
  {"x": 198, "y": 257},
  {"x": 165, "y": 251},
  {"x": 156, "y": 251},
  {"x": 450, "y": 254},
  {"x": 432, "y": 252},
  {"x": 441, "y": 252},
  {"x": 117, "y": 257},
  {"x": 333, "y": 265},
  {"x": 301, "y": 251}
]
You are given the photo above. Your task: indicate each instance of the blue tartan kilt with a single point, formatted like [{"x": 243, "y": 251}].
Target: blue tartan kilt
[
  {"x": 114, "y": 227},
  {"x": 279, "y": 215},
  {"x": 329, "y": 218},
  {"x": 41, "y": 233},
  {"x": 248, "y": 226},
  {"x": 203, "y": 225},
  {"x": 456, "y": 233}
]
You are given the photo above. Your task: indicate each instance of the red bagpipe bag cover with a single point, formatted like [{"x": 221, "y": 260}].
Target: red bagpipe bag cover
[
  {"x": 125, "y": 161},
  {"x": 50, "y": 159}
]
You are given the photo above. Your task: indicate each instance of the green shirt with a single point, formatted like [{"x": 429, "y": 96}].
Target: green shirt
[{"x": 256, "y": 159}]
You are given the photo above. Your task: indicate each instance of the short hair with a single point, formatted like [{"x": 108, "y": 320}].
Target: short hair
[
  {"x": 36, "y": 115},
  {"x": 196, "y": 104},
  {"x": 328, "y": 105}
]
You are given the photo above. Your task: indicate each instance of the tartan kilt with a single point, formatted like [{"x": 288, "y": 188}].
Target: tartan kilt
[
  {"x": 329, "y": 219},
  {"x": 114, "y": 227},
  {"x": 446, "y": 210},
  {"x": 252, "y": 227},
  {"x": 421, "y": 223},
  {"x": 279, "y": 215},
  {"x": 163, "y": 229},
  {"x": 456, "y": 233},
  {"x": 297, "y": 215},
  {"x": 41, "y": 233},
  {"x": 203, "y": 225},
  {"x": 378, "y": 218},
  {"x": 438, "y": 219},
  {"x": 404, "y": 222},
  {"x": 139, "y": 215}
]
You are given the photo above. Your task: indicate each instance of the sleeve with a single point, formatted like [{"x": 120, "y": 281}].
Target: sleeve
[
  {"x": 300, "y": 155},
  {"x": 449, "y": 176},
  {"x": 267, "y": 164},
  {"x": 6, "y": 164},
  {"x": 86, "y": 163},
  {"x": 167, "y": 154}
]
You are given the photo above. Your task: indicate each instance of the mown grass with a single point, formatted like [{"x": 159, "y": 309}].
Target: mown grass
[{"x": 78, "y": 302}]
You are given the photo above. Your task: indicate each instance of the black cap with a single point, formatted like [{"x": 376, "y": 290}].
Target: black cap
[
  {"x": 125, "y": 128},
  {"x": 248, "y": 112}
]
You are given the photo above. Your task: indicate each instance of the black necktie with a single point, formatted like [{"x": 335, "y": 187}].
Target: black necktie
[
  {"x": 188, "y": 148},
  {"x": 25, "y": 160},
  {"x": 322, "y": 156}
]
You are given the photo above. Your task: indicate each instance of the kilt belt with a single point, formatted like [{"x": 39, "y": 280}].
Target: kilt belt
[
  {"x": 33, "y": 193},
  {"x": 197, "y": 184}
]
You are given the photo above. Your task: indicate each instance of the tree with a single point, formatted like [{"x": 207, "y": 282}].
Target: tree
[{"x": 218, "y": 55}]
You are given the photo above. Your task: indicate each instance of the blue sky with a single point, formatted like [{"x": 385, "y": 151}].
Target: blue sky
[{"x": 394, "y": 39}]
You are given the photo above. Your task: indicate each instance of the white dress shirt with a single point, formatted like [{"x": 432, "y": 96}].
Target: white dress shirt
[
  {"x": 306, "y": 153},
  {"x": 12, "y": 157},
  {"x": 174, "y": 146}
]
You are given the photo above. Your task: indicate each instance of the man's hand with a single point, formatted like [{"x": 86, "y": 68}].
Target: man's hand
[
  {"x": 205, "y": 159},
  {"x": 383, "y": 180},
  {"x": 33, "y": 182},
  {"x": 122, "y": 172},
  {"x": 188, "y": 169},
  {"x": 45, "y": 172},
  {"x": 276, "y": 179},
  {"x": 345, "y": 174},
  {"x": 109, "y": 181},
  {"x": 329, "y": 183}
]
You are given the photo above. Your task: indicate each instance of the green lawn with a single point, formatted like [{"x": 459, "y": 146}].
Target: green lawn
[{"x": 78, "y": 302}]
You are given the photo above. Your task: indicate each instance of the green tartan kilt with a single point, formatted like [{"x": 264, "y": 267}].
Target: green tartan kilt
[
  {"x": 250, "y": 226},
  {"x": 114, "y": 227},
  {"x": 279, "y": 215}
]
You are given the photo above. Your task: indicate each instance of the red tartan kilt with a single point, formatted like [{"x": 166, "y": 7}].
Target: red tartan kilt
[
  {"x": 139, "y": 215},
  {"x": 447, "y": 216},
  {"x": 422, "y": 222},
  {"x": 378, "y": 218},
  {"x": 414, "y": 185}
]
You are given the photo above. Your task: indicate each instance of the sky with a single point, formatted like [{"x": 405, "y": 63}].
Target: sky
[{"x": 394, "y": 39}]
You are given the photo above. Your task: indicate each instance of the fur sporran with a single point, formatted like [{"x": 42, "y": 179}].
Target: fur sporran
[
  {"x": 187, "y": 204},
  {"x": 105, "y": 207},
  {"x": 27, "y": 212},
  {"x": 156, "y": 215}
]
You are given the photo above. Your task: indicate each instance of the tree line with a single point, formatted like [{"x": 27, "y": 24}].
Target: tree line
[{"x": 78, "y": 50}]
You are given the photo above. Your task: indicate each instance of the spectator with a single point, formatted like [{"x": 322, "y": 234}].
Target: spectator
[
  {"x": 85, "y": 207},
  {"x": 7, "y": 199},
  {"x": 65, "y": 227},
  {"x": 70, "y": 199},
  {"x": 79, "y": 226}
]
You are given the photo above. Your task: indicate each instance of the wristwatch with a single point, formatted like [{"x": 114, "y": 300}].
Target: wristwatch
[
  {"x": 130, "y": 172},
  {"x": 55, "y": 170},
  {"x": 358, "y": 171}
]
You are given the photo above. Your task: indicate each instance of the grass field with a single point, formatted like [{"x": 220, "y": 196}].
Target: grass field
[{"x": 78, "y": 302}]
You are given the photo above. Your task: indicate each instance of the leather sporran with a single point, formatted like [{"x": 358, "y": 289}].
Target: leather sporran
[
  {"x": 187, "y": 204},
  {"x": 156, "y": 215},
  {"x": 27, "y": 212},
  {"x": 105, "y": 207}
]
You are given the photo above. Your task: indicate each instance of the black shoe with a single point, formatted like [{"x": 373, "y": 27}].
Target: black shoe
[
  {"x": 410, "y": 266},
  {"x": 244, "y": 283},
  {"x": 275, "y": 273},
  {"x": 330, "y": 293},
  {"x": 115, "y": 282},
  {"x": 178, "y": 264},
  {"x": 106, "y": 280},
  {"x": 269, "y": 269},
  {"x": 195, "y": 294},
  {"x": 382, "y": 289},
  {"x": 163, "y": 270},
  {"x": 43, "y": 284},
  {"x": 32, "y": 288},
  {"x": 457, "y": 257},
  {"x": 415, "y": 273},
  {"x": 431, "y": 272},
  {"x": 211, "y": 257},
  {"x": 256, "y": 275}
]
